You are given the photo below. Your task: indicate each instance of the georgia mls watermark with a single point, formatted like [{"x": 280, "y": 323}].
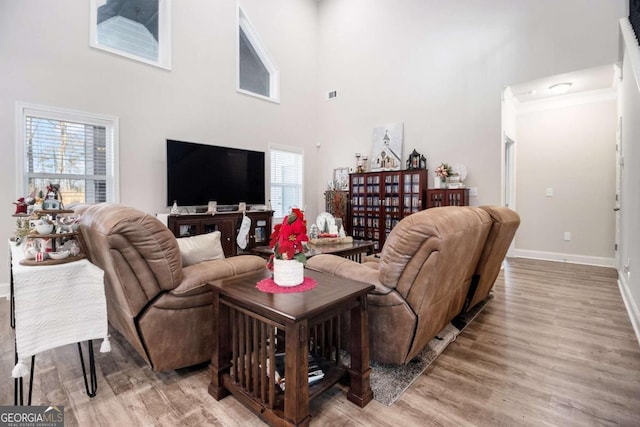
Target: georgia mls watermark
[{"x": 31, "y": 416}]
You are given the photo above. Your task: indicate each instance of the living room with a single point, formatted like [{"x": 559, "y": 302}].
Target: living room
[{"x": 440, "y": 69}]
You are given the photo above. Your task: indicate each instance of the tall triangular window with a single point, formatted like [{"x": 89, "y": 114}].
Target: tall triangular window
[{"x": 257, "y": 74}]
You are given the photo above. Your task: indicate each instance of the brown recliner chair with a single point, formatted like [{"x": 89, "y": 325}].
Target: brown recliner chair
[
  {"x": 163, "y": 309},
  {"x": 421, "y": 279},
  {"x": 503, "y": 229}
]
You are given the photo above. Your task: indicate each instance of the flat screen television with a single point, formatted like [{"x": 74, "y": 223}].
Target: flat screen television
[{"x": 200, "y": 173}]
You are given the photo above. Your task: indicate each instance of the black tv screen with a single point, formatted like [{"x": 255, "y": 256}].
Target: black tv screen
[{"x": 200, "y": 173}]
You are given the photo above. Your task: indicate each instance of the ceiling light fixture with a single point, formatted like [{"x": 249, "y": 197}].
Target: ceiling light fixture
[{"x": 560, "y": 88}]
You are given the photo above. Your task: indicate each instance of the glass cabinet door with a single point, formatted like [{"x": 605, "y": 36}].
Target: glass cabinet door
[
  {"x": 358, "y": 198},
  {"x": 261, "y": 234},
  {"x": 413, "y": 187}
]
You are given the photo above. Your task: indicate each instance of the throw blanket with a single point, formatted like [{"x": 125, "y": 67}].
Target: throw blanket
[{"x": 56, "y": 305}]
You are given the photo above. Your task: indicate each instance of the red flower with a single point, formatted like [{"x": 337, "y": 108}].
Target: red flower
[
  {"x": 274, "y": 236},
  {"x": 286, "y": 239}
]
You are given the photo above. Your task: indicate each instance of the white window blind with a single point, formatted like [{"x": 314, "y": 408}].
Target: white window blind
[
  {"x": 128, "y": 36},
  {"x": 254, "y": 76},
  {"x": 64, "y": 149},
  {"x": 286, "y": 181}
]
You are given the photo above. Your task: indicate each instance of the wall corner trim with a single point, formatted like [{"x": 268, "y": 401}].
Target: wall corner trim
[
  {"x": 632, "y": 308},
  {"x": 560, "y": 257}
]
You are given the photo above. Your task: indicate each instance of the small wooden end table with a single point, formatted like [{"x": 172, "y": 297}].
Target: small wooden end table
[{"x": 253, "y": 325}]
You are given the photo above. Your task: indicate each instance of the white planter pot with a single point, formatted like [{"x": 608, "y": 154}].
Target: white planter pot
[{"x": 288, "y": 272}]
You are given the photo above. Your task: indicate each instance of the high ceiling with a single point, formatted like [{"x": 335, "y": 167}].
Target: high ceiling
[{"x": 581, "y": 81}]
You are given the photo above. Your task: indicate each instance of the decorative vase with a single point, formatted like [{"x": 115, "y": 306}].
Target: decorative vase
[
  {"x": 444, "y": 182},
  {"x": 288, "y": 272}
]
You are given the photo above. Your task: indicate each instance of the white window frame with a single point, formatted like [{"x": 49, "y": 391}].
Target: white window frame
[
  {"x": 294, "y": 150},
  {"x": 164, "y": 35},
  {"x": 258, "y": 46},
  {"x": 110, "y": 123}
]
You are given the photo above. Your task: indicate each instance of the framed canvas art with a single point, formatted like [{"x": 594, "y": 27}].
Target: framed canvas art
[
  {"x": 386, "y": 153},
  {"x": 341, "y": 178},
  {"x": 136, "y": 29}
]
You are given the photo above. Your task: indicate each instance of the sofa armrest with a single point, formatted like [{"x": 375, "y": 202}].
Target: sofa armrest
[
  {"x": 348, "y": 269},
  {"x": 196, "y": 277}
]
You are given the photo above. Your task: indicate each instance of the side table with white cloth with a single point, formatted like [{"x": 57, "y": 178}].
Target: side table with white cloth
[{"x": 56, "y": 305}]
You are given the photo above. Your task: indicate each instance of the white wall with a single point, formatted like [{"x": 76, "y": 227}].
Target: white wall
[
  {"x": 630, "y": 196},
  {"x": 45, "y": 59},
  {"x": 571, "y": 150},
  {"x": 440, "y": 67}
]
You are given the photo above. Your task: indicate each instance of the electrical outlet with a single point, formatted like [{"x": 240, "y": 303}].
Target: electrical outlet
[
  {"x": 549, "y": 192},
  {"x": 473, "y": 191},
  {"x": 567, "y": 236}
]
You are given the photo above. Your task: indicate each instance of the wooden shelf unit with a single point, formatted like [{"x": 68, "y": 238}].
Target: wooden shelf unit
[
  {"x": 228, "y": 223},
  {"x": 447, "y": 197},
  {"x": 379, "y": 200}
]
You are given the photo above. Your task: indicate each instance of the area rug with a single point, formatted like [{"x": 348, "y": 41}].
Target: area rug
[{"x": 388, "y": 382}]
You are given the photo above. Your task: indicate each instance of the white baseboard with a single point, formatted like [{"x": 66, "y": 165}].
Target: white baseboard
[
  {"x": 4, "y": 290},
  {"x": 559, "y": 257},
  {"x": 630, "y": 304}
]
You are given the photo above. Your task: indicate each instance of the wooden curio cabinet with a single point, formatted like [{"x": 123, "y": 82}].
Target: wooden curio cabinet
[
  {"x": 447, "y": 197},
  {"x": 379, "y": 200}
]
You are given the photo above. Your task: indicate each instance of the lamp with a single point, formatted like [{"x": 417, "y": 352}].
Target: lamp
[
  {"x": 413, "y": 162},
  {"x": 560, "y": 88}
]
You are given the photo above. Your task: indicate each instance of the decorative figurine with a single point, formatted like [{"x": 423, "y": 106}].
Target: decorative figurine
[
  {"x": 53, "y": 198},
  {"x": 21, "y": 206},
  {"x": 359, "y": 167},
  {"x": 174, "y": 209}
]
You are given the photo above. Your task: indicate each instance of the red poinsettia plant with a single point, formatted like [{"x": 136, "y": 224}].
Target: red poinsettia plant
[{"x": 286, "y": 239}]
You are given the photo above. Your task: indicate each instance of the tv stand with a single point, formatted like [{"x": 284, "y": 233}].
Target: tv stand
[{"x": 228, "y": 223}]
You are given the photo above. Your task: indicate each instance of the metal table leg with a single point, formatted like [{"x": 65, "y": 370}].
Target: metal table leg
[
  {"x": 12, "y": 301},
  {"x": 92, "y": 385},
  {"x": 18, "y": 384}
]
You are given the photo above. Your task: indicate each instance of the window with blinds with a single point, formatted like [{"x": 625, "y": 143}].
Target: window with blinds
[
  {"x": 286, "y": 181},
  {"x": 69, "y": 149},
  {"x": 257, "y": 74}
]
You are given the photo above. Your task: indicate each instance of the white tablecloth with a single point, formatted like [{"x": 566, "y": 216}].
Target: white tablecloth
[{"x": 56, "y": 305}]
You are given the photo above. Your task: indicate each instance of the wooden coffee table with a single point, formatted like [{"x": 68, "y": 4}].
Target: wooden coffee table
[
  {"x": 252, "y": 326},
  {"x": 353, "y": 250}
]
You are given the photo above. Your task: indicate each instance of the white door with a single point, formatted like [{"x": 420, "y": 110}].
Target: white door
[
  {"x": 619, "y": 166},
  {"x": 510, "y": 179},
  {"x": 509, "y": 172}
]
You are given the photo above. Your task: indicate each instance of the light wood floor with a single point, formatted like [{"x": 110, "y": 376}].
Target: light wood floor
[{"x": 554, "y": 347}]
